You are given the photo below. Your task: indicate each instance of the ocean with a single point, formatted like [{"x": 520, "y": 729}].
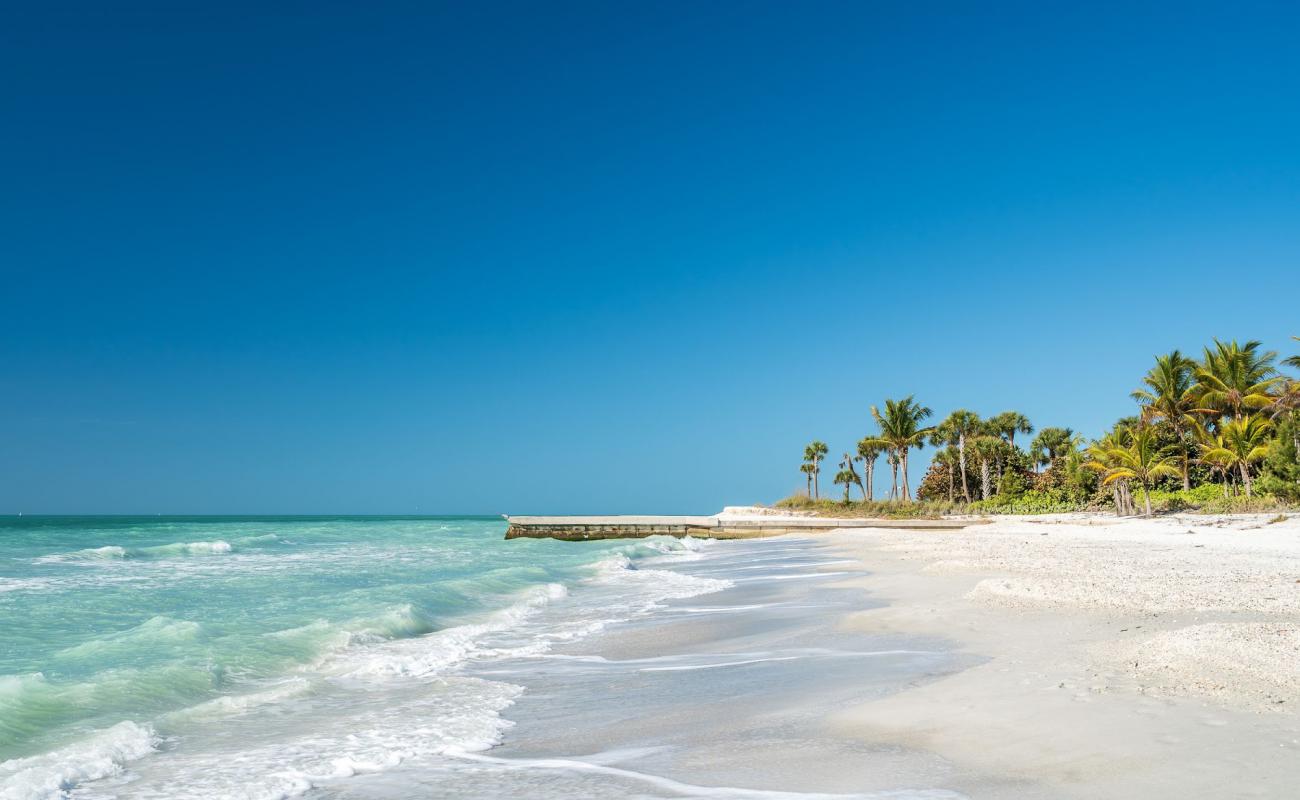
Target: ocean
[{"x": 267, "y": 658}]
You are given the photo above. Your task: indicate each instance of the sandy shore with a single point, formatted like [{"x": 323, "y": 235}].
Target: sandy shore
[{"x": 1125, "y": 658}]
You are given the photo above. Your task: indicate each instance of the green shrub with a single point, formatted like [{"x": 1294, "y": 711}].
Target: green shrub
[{"x": 1036, "y": 501}]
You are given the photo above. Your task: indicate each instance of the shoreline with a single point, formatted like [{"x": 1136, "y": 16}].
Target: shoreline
[{"x": 1125, "y": 658}]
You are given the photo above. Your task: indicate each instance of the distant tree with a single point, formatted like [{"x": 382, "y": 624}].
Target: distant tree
[
  {"x": 900, "y": 430},
  {"x": 808, "y": 469},
  {"x": 813, "y": 454},
  {"x": 986, "y": 448},
  {"x": 1050, "y": 443},
  {"x": 847, "y": 464},
  {"x": 1234, "y": 379},
  {"x": 868, "y": 452},
  {"x": 1142, "y": 461},
  {"x": 1009, "y": 423},
  {"x": 960, "y": 426},
  {"x": 1170, "y": 397},
  {"x": 848, "y": 478},
  {"x": 1242, "y": 442}
]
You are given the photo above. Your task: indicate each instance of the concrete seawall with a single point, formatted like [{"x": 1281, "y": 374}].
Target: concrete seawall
[{"x": 716, "y": 527}]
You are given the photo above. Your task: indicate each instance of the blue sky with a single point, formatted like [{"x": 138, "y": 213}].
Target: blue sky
[{"x": 418, "y": 257}]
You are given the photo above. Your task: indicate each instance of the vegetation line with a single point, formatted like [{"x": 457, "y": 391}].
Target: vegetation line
[{"x": 1217, "y": 434}]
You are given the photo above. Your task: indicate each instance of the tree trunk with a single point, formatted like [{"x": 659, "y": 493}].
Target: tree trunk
[
  {"x": 952, "y": 484},
  {"x": 1187, "y": 469},
  {"x": 1147, "y": 494},
  {"x": 1114, "y": 493},
  {"x": 1245, "y": 477},
  {"x": 870, "y": 469},
  {"x": 961, "y": 457},
  {"x": 817, "y": 488},
  {"x": 907, "y": 492},
  {"x": 984, "y": 478}
]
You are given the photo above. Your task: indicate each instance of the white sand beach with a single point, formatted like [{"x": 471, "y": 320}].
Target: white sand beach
[{"x": 1125, "y": 658}]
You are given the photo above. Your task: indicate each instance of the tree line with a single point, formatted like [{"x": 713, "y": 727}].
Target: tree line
[{"x": 1229, "y": 420}]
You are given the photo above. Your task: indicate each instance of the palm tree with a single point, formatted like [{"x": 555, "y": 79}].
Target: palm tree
[
  {"x": 1241, "y": 443},
  {"x": 900, "y": 430},
  {"x": 848, "y": 478},
  {"x": 1235, "y": 378},
  {"x": 1141, "y": 460},
  {"x": 986, "y": 448},
  {"x": 1293, "y": 361},
  {"x": 813, "y": 454},
  {"x": 868, "y": 452},
  {"x": 947, "y": 457},
  {"x": 1100, "y": 458},
  {"x": 1009, "y": 423},
  {"x": 808, "y": 469},
  {"x": 1170, "y": 396},
  {"x": 847, "y": 464},
  {"x": 1050, "y": 443},
  {"x": 1211, "y": 446},
  {"x": 954, "y": 431}
]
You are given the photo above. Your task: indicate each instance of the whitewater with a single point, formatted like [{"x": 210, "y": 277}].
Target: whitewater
[
  {"x": 382, "y": 658},
  {"x": 160, "y": 657}
]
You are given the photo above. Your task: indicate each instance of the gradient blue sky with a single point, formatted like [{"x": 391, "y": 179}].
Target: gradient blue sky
[{"x": 411, "y": 257}]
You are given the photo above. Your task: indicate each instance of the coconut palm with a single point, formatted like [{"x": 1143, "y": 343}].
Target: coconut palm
[
  {"x": 1240, "y": 443},
  {"x": 1293, "y": 361},
  {"x": 1234, "y": 379},
  {"x": 1141, "y": 460},
  {"x": 868, "y": 453},
  {"x": 1100, "y": 457},
  {"x": 960, "y": 426},
  {"x": 1170, "y": 397},
  {"x": 1009, "y": 423},
  {"x": 813, "y": 454},
  {"x": 900, "y": 430}
]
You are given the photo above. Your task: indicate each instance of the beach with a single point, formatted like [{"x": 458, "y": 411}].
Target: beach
[
  {"x": 1029, "y": 657},
  {"x": 1124, "y": 658}
]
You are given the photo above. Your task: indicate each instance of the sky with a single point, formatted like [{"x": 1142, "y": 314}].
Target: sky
[{"x": 607, "y": 257}]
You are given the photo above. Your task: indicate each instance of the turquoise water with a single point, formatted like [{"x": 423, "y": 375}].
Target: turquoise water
[{"x": 131, "y": 644}]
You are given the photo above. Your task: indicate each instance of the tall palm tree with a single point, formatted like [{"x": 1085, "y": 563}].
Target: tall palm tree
[
  {"x": 1142, "y": 460},
  {"x": 813, "y": 454},
  {"x": 1009, "y": 423},
  {"x": 868, "y": 453},
  {"x": 1293, "y": 361},
  {"x": 1241, "y": 443},
  {"x": 1170, "y": 397},
  {"x": 954, "y": 431},
  {"x": 1234, "y": 379},
  {"x": 900, "y": 430},
  {"x": 1050, "y": 443}
]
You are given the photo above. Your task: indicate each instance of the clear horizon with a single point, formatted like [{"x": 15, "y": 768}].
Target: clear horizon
[{"x": 596, "y": 259}]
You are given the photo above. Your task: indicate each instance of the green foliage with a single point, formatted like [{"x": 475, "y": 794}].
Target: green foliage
[
  {"x": 896, "y": 509},
  {"x": 1281, "y": 472},
  {"x": 1048, "y": 501}
]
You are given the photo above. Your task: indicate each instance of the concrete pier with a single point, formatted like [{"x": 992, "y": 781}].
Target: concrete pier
[{"x": 716, "y": 527}]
